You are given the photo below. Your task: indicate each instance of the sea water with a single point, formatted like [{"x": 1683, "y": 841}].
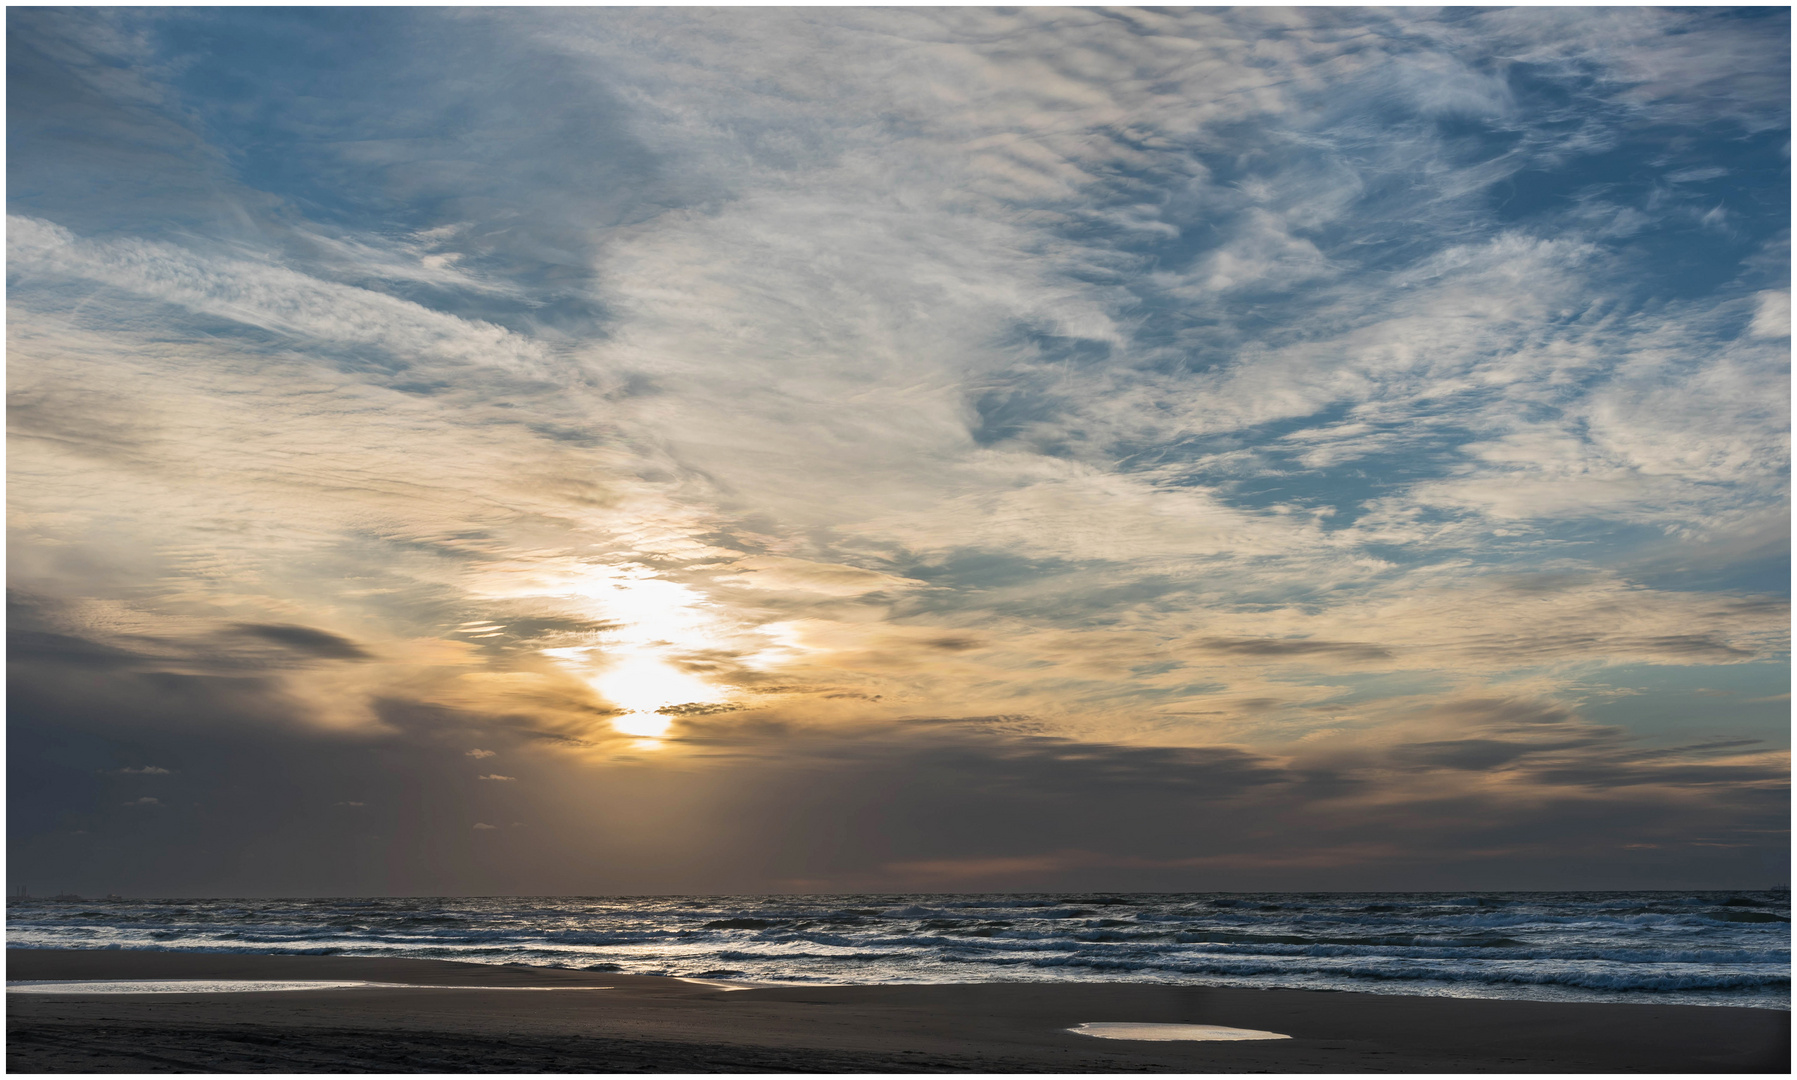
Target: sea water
[{"x": 1699, "y": 948}]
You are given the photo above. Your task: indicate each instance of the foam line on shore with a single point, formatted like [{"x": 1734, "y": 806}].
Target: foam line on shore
[
  {"x": 238, "y": 986},
  {"x": 726, "y": 984}
]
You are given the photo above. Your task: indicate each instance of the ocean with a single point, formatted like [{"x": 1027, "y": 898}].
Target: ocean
[{"x": 1698, "y": 948}]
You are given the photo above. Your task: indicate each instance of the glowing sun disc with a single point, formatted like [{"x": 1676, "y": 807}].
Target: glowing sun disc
[
  {"x": 643, "y": 725},
  {"x": 643, "y": 684}
]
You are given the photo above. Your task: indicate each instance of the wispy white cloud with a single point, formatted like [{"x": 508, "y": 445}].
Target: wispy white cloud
[{"x": 264, "y": 296}]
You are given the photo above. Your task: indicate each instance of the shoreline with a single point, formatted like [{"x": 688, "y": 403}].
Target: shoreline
[
  {"x": 1397, "y": 988},
  {"x": 646, "y": 1023}
]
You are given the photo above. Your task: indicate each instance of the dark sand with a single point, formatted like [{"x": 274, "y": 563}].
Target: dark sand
[{"x": 650, "y": 1024}]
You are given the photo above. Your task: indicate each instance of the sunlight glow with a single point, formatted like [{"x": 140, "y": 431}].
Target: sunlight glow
[
  {"x": 635, "y": 664},
  {"x": 646, "y": 627},
  {"x": 649, "y": 726},
  {"x": 643, "y": 683}
]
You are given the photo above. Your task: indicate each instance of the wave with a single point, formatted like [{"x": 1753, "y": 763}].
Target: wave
[
  {"x": 1595, "y": 980},
  {"x": 1717, "y": 947}
]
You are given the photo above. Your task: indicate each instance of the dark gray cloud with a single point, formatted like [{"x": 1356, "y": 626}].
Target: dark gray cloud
[
  {"x": 307, "y": 640},
  {"x": 254, "y": 807},
  {"x": 1276, "y": 648},
  {"x": 39, "y": 647},
  {"x": 1473, "y": 754},
  {"x": 34, "y": 638}
]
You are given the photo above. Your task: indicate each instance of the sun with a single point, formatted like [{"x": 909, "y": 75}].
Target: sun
[
  {"x": 644, "y": 625},
  {"x": 641, "y": 683}
]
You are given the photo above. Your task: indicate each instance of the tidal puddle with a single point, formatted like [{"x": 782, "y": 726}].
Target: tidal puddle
[{"x": 1174, "y": 1032}]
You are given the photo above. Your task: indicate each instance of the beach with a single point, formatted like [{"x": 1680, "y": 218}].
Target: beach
[{"x": 460, "y": 1017}]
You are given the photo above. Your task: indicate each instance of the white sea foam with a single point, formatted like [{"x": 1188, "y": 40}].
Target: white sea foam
[
  {"x": 180, "y": 986},
  {"x": 236, "y": 986}
]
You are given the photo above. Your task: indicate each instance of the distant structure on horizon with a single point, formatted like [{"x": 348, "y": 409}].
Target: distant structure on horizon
[{"x": 65, "y": 896}]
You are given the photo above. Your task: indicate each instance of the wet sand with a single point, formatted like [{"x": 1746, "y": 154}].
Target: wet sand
[{"x": 646, "y": 1024}]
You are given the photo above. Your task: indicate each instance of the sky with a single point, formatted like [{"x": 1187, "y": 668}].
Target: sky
[{"x": 588, "y": 452}]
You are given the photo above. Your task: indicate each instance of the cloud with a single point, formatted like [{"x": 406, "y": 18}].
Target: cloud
[
  {"x": 484, "y": 825},
  {"x": 496, "y": 776},
  {"x": 305, "y": 639},
  {"x": 1773, "y": 317},
  {"x": 984, "y": 803},
  {"x": 775, "y": 572},
  {"x": 64, "y": 649},
  {"x": 1319, "y": 419},
  {"x": 264, "y": 297},
  {"x": 146, "y": 770},
  {"x": 1269, "y": 647}
]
